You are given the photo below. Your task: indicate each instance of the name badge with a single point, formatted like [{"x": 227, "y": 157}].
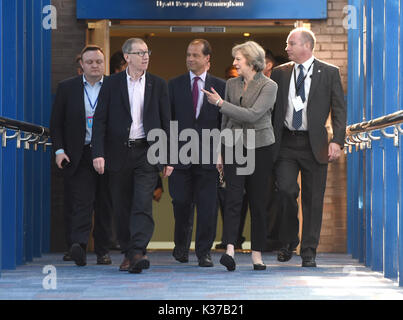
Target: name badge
[
  {"x": 89, "y": 122},
  {"x": 298, "y": 104}
]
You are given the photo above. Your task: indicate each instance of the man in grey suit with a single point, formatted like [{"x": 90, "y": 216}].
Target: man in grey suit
[{"x": 308, "y": 91}]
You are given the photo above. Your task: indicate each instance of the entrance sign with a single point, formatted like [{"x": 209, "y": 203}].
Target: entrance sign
[{"x": 201, "y": 10}]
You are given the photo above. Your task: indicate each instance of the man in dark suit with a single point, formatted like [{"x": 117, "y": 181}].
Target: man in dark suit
[
  {"x": 135, "y": 103},
  {"x": 308, "y": 91},
  {"x": 195, "y": 183},
  {"x": 71, "y": 130}
]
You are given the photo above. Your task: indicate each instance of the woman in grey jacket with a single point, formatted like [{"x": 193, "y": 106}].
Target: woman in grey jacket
[{"x": 246, "y": 109}]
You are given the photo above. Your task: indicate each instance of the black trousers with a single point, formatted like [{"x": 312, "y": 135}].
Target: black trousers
[
  {"x": 256, "y": 186},
  {"x": 85, "y": 192},
  {"x": 296, "y": 156},
  {"x": 132, "y": 190},
  {"x": 244, "y": 211},
  {"x": 189, "y": 188}
]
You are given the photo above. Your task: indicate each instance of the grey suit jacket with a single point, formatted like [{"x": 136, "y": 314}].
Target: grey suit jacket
[{"x": 250, "y": 109}]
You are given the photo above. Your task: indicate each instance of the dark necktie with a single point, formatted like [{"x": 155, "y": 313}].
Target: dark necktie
[
  {"x": 300, "y": 89},
  {"x": 195, "y": 93}
]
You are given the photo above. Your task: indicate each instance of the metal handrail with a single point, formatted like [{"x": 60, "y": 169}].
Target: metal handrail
[
  {"x": 33, "y": 134},
  {"x": 361, "y": 134},
  {"x": 18, "y": 125}
]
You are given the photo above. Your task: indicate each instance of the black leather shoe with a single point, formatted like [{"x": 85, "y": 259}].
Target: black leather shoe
[
  {"x": 67, "y": 256},
  {"x": 308, "y": 262},
  {"x": 138, "y": 263},
  {"x": 284, "y": 254},
  {"x": 105, "y": 259},
  {"x": 259, "y": 266},
  {"x": 78, "y": 255},
  {"x": 238, "y": 244},
  {"x": 228, "y": 262},
  {"x": 205, "y": 261},
  {"x": 180, "y": 255}
]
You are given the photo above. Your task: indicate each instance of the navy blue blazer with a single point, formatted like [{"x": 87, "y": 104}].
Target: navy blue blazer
[
  {"x": 112, "y": 119},
  {"x": 180, "y": 95},
  {"x": 67, "y": 121}
]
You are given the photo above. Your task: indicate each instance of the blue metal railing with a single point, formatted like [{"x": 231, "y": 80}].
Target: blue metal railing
[
  {"x": 381, "y": 223},
  {"x": 375, "y": 182},
  {"x": 25, "y": 95}
]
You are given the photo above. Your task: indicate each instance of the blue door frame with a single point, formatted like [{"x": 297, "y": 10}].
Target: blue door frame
[
  {"x": 25, "y": 57},
  {"x": 375, "y": 182}
]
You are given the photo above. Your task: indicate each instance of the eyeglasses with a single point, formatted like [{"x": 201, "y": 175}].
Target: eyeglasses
[{"x": 141, "y": 53}]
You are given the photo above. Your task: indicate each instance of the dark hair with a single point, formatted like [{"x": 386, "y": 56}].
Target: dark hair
[
  {"x": 91, "y": 47},
  {"x": 281, "y": 59},
  {"x": 117, "y": 60},
  {"x": 269, "y": 55},
  {"x": 206, "y": 46}
]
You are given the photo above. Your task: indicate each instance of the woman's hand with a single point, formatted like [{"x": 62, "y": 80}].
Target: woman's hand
[{"x": 213, "y": 97}]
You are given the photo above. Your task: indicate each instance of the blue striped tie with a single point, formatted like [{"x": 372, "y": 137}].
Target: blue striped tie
[{"x": 297, "y": 115}]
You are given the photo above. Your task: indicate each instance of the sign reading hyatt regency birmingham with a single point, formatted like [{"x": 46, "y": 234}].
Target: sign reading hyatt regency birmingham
[
  {"x": 237, "y": 142},
  {"x": 201, "y": 9}
]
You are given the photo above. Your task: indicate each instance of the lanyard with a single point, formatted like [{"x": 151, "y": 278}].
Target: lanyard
[
  {"x": 303, "y": 81},
  {"x": 93, "y": 106}
]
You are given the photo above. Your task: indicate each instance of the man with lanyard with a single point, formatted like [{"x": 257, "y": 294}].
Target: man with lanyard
[
  {"x": 71, "y": 131},
  {"x": 309, "y": 90}
]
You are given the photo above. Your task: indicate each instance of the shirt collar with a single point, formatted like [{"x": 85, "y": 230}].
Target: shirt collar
[
  {"x": 202, "y": 76},
  {"x": 129, "y": 77},
  {"x": 86, "y": 82},
  {"x": 306, "y": 64}
]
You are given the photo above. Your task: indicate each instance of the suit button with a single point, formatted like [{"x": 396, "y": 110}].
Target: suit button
[
  {"x": 128, "y": 129},
  {"x": 125, "y": 143}
]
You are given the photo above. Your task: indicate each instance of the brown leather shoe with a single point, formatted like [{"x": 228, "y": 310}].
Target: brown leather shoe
[
  {"x": 138, "y": 263},
  {"x": 125, "y": 265}
]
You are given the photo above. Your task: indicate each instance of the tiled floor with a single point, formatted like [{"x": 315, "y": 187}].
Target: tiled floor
[{"x": 336, "y": 277}]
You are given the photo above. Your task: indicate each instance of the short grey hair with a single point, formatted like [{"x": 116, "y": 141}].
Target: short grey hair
[
  {"x": 306, "y": 36},
  {"x": 127, "y": 46},
  {"x": 253, "y": 53}
]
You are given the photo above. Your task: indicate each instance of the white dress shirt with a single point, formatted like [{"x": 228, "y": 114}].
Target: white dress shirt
[
  {"x": 308, "y": 67},
  {"x": 136, "y": 90},
  {"x": 201, "y": 83}
]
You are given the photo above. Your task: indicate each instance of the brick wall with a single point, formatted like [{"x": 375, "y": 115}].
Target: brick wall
[
  {"x": 332, "y": 47},
  {"x": 67, "y": 41}
]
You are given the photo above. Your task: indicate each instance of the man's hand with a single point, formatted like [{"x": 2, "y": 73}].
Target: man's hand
[
  {"x": 167, "y": 171},
  {"x": 334, "y": 151},
  {"x": 59, "y": 158},
  {"x": 99, "y": 165},
  {"x": 157, "y": 194},
  {"x": 219, "y": 164}
]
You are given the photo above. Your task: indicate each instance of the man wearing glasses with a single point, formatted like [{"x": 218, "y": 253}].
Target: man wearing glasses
[{"x": 135, "y": 103}]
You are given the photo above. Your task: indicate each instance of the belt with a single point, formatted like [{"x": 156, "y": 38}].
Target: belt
[
  {"x": 137, "y": 143},
  {"x": 295, "y": 132}
]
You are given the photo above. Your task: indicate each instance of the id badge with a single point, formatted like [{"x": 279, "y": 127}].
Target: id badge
[
  {"x": 89, "y": 122},
  {"x": 298, "y": 104}
]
